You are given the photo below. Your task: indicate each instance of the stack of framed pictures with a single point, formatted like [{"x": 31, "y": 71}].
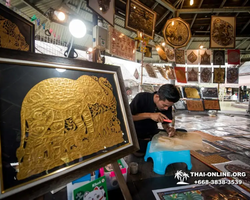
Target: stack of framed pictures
[{"x": 194, "y": 98}]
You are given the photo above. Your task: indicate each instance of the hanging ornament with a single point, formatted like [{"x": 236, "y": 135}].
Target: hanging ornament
[
  {"x": 38, "y": 22},
  {"x": 142, "y": 41},
  {"x": 43, "y": 26},
  {"x": 54, "y": 34},
  {"x": 33, "y": 18}
]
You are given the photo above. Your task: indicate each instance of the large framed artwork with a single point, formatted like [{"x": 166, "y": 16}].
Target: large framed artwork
[
  {"x": 209, "y": 92},
  {"x": 16, "y": 32},
  {"x": 60, "y": 119},
  {"x": 174, "y": 38},
  {"x": 195, "y": 105},
  {"x": 140, "y": 18},
  {"x": 105, "y": 9},
  {"x": 191, "y": 92},
  {"x": 211, "y": 104},
  {"x": 223, "y": 32}
]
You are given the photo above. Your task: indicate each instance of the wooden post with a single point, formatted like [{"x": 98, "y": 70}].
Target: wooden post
[{"x": 121, "y": 181}]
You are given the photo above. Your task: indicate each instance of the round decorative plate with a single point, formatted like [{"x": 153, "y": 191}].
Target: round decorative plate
[{"x": 177, "y": 32}]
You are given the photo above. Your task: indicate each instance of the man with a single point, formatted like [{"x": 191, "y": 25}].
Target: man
[{"x": 150, "y": 108}]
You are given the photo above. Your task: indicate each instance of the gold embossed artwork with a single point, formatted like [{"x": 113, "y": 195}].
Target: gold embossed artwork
[
  {"x": 206, "y": 75},
  {"x": 176, "y": 32},
  {"x": 192, "y": 57},
  {"x": 195, "y": 105},
  {"x": 205, "y": 57},
  {"x": 180, "y": 56},
  {"x": 193, "y": 74},
  {"x": 191, "y": 92},
  {"x": 211, "y": 104},
  {"x": 63, "y": 120},
  {"x": 180, "y": 74},
  {"x": 222, "y": 34},
  {"x": 170, "y": 72},
  {"x": 161, "y": 53},
  {"x": 170, "y": 54},
  {"x": 162, "y": 72},
  {"x": 150, "y": 70},
  {"x": 219, "y": 75}
]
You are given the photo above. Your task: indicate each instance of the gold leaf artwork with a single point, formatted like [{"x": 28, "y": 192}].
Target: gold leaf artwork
[
  {"x": 162, "y": 72},
  {"x": 10, "y": 36},
  {"x": 63, "y": 120},
  {"x": 192, "y": 93}
]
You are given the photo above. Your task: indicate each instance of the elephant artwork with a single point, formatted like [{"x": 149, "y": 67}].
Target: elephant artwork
[{"x": 63, "y": 120}]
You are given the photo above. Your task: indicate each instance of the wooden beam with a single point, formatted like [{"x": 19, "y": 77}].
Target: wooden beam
[
  {"x": 216, "y": 10},
  {"x": 167, "y": 5}
]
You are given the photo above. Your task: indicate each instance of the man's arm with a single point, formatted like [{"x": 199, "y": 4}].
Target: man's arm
[{"x": 158, "y": 117}]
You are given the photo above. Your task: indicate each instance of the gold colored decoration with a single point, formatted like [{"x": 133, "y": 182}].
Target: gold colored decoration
[
  {"x": 161, "y": 53},
  {"x": 177, "y": 32},
  {"x": 206, "y": 75},
  {"x": 180, "y": 56},
  {"x": 162, "y": 72},
  {"x": 142, "y": 41},
  {"x": 194, "y": 105},
  {"x": 170, "y": 72},
  {"x": 11, "y": 37},
  {"x": 219, "y": 75},
  {"x": 150, "y": 70},
  {"x": 192, "y": 93},
  {"x": 170, "y": 54},
  {"x": 211, "y": 104},
  {"x": 192, "y": 57},
  {"x": 205, "y": 57},
  {"x": 63, "y": 120}
]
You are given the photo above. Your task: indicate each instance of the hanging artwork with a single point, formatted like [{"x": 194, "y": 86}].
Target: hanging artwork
[
  {"x": 140, "y": 18},
  {"x": 54, "y": 125},
  {"x": 222, "y": 34},
  {"x": 191, "y": 92},
  {"x": 161, "y": 53},
  {"x": 105, "y": 9},
  {"x": 170, "y": 72},
  {"x": 195, "y": 105},
  {"x": 180, "y": 74},
  {"x": 192, "y": 57},
  {"x": 170, "y": 54},
  {"x": 15, "y": 31},
  {"x": 162, "y": 72},
  {"x": 210, "y": 104},
  {"x": 233, "y": 75},
  {"x": 218, "y": 57},
  {"x": 206, "y": 75},
  {"x": 177, "y": 33},
  {"x": 136, "y": 74},
  {"x": 209, "y": 92},
  {"x": 150, "y": 70},
  {"x": 192, "y": 73},
  {"x": 180, "y": 56},
  {"x": 205, "y": 57},
  {"x": 219, "y": 75},
  {"x": 233, "y": 56}
]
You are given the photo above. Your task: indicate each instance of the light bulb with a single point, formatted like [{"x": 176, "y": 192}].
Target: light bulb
[
  {"x": 90, "y": 49},
  {"x": 201, "y": 47},
  {"x": 60, "y": 70},
  {"x": 100, "y": 8},
  {"x": 60, "y": 15},
  {"x": 77, "y": 28},
  {"x": 172, "y": 23},
  {"x": 163, "y": 44},
  {"x": 191, "y": 2}
]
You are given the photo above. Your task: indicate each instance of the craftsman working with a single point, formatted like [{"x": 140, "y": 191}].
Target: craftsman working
[{"x": 150, "y": 108}]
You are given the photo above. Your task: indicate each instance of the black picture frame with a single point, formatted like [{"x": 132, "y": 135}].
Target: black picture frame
[
  {"x": 21, "y": 72},
  {"x": 26, "y": 28},
  {"x": 209, "y": 92}
]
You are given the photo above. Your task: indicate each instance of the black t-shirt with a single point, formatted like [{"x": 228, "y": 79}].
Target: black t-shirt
[{"x": 144, "y": 103}]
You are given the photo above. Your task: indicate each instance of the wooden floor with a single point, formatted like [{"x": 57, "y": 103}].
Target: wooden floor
[{"x": 142, "y": 184}]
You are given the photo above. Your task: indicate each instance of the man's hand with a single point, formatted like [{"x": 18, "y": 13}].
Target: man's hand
[{"x": 158, "y": 117}]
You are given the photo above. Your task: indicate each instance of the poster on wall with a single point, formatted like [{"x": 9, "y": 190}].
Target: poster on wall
[
  {"x": 205, "y": 57},
  {"x": 206, "y": 75},
  {"x": 218, "y": 57},
  {"x": 180, "y": 56},
  {"x": 121, "y": 45},
  {"x": 219, "y": 75},
  {"x": 54, "y": 125},
  {"x": 193, "y": 73},
  {"x": 180, "y": 74},
  {"x": 170, "y": 54},
  {"x": 140, "y": 18},
  {"x": 15, "y": 31},
  {"x": 233, "y": 56},
  {"x": 150, "y": 70},
  {"x": 223, "y": 32},
  {"x": 193, "y": 57},
  {"x": 233, "y": 75}
]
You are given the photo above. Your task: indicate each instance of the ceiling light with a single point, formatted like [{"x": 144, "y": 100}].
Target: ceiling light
[
  {"x": 163, "y": 44},
  {"x": 172, "y": 23},
  {"x": 60, "y": 15},
  {"x": 100, "y": 8},
  {"x": 134, "y": 7},
  {"x": 77, "y": 28},
  {"x": 60, "y": 70},
  {"x": 201, "y": 46},
  {"x": 191, "y": 2},
  {"x": 90, "y": 49}
]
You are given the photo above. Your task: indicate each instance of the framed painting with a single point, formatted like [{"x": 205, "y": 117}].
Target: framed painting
[
  {"x": 60, "y": 119},
  {"x": 211, "y": 104},
  {"x": 219, "y": 75},
  {"x": 209, "y": 92},
  {"x": 18, "y": 34},
  {"x": 195, "y": 105},
  {"x": 191, "y": 92},
  {"x": 223, "y": 32},
  {"x": 140, "y": 18},
  {"x": 105, "y": 9}
]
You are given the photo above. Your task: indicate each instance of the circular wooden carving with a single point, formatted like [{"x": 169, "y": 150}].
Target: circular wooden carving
[{"x": 177, "y": 34}]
